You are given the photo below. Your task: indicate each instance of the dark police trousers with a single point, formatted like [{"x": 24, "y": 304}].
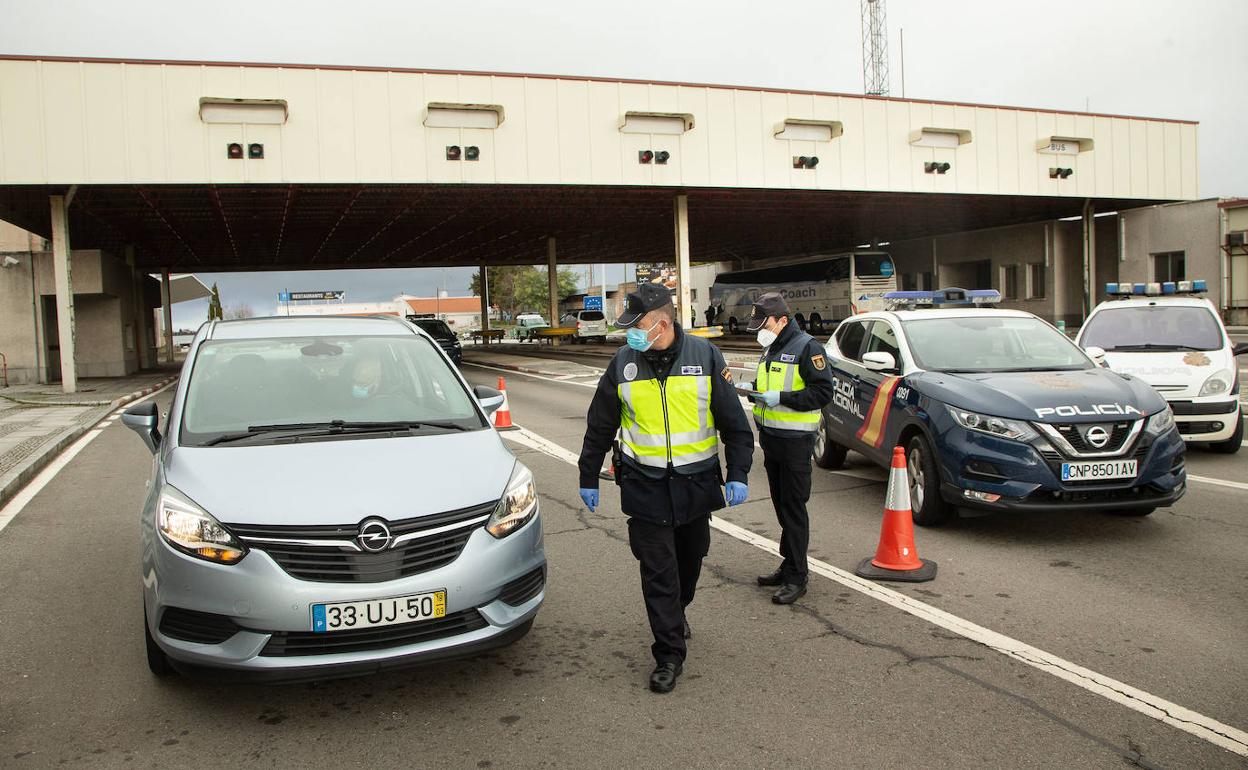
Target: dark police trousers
[
  {"x": 787, "y": 461},
  {"x": 671, "y": 560}
]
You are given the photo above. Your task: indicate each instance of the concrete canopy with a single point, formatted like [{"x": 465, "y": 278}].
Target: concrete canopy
[{"x": 318, "y": 226}]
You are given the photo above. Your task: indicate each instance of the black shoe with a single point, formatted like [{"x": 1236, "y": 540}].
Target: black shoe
[
  {"x": 663, "y": 678},
  {"x": 774, "y": 579},
  {"x": 789, "y": 593},
  {"x": 688, "y": 632}
]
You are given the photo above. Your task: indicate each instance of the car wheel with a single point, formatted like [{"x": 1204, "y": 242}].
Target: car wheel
[
  {"x": 1232, "y": 444},
  {"x": 816, "y": 324},
  {"x": 1133, "y": 511},
  {"x": 733, "y": 326},
  {"x": 827, "y": 453},
  {"x": 801, "y": 321},
  {"x": 157, "y": 661},
  {"x": 926, "y": 504}
]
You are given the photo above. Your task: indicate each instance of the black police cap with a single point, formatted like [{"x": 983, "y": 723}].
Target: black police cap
[
  {"x": 649, "y": 296},
  {"x": 769, "y": 305}
]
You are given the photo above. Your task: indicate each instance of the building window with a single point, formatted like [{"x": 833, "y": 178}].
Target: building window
[
  {"x": 1169, "y": 266},
  {"x": 916, "y": 281},
  {"x": 1035, "y": 280},
  {"x": 693, "y": 294},
  {"x": 1009, "y": 282}
]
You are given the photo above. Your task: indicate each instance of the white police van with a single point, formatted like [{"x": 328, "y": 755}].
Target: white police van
[{"x": 1175, "y": 341}]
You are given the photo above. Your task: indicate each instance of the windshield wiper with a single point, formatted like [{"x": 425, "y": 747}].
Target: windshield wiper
[
  {"x": 1154, "y": 346},
  {"x": 330, "y": 428},
  {"x": 253, "y": 431}
]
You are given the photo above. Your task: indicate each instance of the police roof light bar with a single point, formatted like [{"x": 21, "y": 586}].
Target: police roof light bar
[
  {"x": 1164, "y": 288},
  {"x": 951, "y": 297}
]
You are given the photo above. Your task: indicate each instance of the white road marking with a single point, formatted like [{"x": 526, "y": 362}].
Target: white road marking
[
  {"x": 534, "y": 376},
  {"x": 1203, "y": 727},
  {"x": 36, "y": 485},
  {"x": 1218, "y": 482}
]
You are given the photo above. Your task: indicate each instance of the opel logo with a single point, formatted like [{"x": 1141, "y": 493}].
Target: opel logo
[
  {"x": 1097, "y": 436},
  {"x": 374, "y": 535}
]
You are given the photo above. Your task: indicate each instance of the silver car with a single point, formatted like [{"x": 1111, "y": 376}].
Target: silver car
[{"x": 329, "y": 499}]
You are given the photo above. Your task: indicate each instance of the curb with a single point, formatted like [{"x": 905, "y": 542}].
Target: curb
[{"x": 13, "y": 481}]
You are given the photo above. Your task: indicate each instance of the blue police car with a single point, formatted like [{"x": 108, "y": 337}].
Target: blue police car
[{"x": 996, "y": 410}]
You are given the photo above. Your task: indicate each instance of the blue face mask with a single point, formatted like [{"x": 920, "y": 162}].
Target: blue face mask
[
  {"x": 639, "y": 339},
  {"x": 360, "y": 391}
]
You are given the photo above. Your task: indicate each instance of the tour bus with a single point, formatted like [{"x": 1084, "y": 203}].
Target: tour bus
[{"x": 821, "y": 292}]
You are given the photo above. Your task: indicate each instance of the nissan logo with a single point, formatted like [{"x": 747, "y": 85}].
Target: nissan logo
[
  {"x": 1097, "y": 436},
  {"x": 374, "y": 535}
]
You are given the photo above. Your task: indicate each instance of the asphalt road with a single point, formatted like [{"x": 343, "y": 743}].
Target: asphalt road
[{"x": 840, "y": 679}]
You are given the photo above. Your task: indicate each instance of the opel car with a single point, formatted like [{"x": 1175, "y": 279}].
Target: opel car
[{"x": 328, "y": 498}]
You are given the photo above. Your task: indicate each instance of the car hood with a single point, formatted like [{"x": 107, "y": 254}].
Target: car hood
[
  {"x": 1173, "y": 370},
  {"x": 1091, "y": 395},
  {"x": 343, "y": 481}
]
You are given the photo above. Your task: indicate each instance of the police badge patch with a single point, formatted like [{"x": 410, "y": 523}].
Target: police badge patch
[
  {"x": 630, "y": 371},
  {"x": 726, "y": 374},
  {"x": 818, "y": 362},
  {"x": 788, "y": 358},
  {"x": 690, "y": 370}
]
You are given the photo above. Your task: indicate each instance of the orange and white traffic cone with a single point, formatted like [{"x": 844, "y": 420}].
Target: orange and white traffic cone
[
  {"x": 896, "y": 557},
  {"x": 502, "y": 417}
]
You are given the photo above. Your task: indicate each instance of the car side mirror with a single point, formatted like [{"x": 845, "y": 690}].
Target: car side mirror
[
  {"x": 879, "y": 362},
  {"x": 1096, "y": 354},
  {"x": 144, "y": 420},
  {"x": 489, "y": 398},
  {"x": 1239, "y": 349}
]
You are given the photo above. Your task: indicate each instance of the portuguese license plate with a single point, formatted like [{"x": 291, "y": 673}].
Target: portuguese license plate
[
  {"x": 1107, "y": 471},
  {"x": 343, "y": 616}
]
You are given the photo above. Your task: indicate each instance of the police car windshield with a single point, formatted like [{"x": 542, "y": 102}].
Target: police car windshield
[
  {"x": 991, "y": 343},
  {"x": 1153, "y": 328}
]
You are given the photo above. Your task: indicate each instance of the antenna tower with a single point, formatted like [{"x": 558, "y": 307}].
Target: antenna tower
[{"x": 874, "y": 48}]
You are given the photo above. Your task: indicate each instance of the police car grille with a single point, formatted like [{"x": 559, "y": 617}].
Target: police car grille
[
  {"x": 288, "y": 643},
  {"x": 1118, "y": 433},
  {"x": 1054, "y": 460},
  {"x": 330, "y": 563}
]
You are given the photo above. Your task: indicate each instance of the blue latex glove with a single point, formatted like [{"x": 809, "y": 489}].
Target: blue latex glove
[
  {"x": 590, "y": 497},
  {"x": 736, "y": 492},
  {"x": 768, "y": 398}
]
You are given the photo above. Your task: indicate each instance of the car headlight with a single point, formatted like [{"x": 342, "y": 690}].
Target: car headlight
[
  {"x": 517, "y": 506},
  {"x": 994, "y": 426},
  {"x": 191, "y": 530},
  {"x": 1218, "y": 382},
  {"x": 1160, "y": 423}
]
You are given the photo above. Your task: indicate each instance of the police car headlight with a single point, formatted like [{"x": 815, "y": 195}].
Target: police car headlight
[
  {"x": 1001, "y": 427},
  {"x": 1160, "y": 422},
  {"x": 1218, "y": 382},
  {"x": 517, "y": 506}
]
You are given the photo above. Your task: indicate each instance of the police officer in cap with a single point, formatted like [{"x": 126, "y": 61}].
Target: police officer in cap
[
  {"x": 793, "y": 385},
  {"x": 671, "y": 399}
]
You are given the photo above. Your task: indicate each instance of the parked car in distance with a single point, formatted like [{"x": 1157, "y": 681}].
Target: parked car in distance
[
  {"x": 589, "y": 324},
  {"x": 442, "y": 334}
]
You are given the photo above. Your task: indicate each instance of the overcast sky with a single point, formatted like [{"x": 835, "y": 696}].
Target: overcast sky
[{"x": 1156, "y": 58}]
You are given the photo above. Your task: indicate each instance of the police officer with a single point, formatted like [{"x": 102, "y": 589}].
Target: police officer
[
  {"x": 793, "y": 385},
  {"x": 668, "y": 395}
]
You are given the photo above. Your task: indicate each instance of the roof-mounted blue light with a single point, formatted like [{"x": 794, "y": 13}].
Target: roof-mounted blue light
[
  {"x": 951, "y": 297},
  {"x": 1156, "y": 288}
]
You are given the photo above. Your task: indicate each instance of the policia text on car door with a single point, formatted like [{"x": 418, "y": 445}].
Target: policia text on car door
[{"x": 671, "y": 398}]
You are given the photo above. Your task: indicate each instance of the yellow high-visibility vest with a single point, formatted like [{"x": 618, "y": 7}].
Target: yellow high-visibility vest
[
  {"x": 668, "y": 422},
  {"x": 778, "y": 370}
]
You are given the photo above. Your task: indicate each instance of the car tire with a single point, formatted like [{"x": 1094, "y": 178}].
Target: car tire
[
  {"x": 816, "y": 324},
  {"x": 733, "y": 326},
  {"x": 1232, "y": 444},
  {"x": 157, "y": 661},
  {"x": 1133, "y": 511},
  {"x": 927, "y": 507},
  {"x": 801, "y": 322},
  {"x": 827, "y": 453}
]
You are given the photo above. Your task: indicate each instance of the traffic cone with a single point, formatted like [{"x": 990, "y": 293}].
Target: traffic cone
[
  {"x": 502, "y": 417},
  {"x": 896, "y": 558}
]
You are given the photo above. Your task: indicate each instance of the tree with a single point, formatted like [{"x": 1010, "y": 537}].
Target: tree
[
  {"x": 240, "y": 311},
  {"x": 518, "y": 289},
  {"x": 214, "y": 304}
]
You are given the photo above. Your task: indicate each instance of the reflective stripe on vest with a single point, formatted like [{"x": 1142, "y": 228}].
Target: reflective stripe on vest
[
  {"x": 686, "y": 437},
  {"x": 784, "y": 377}
]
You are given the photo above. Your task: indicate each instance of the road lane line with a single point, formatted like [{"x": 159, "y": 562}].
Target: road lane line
[
  {"x": 36, "y": 485},
  {"x": 534, "y": 376},
  {"x": 1217, "y": 482},
  {"x": 1203, "y": 727}
]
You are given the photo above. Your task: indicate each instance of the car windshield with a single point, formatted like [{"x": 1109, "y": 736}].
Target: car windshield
[
  {"x": 436, "y": 328},
  {"x": 991, "y": 343},
  {"x": 1153, "y": 327},
  {"x": 237, "y": 385}
]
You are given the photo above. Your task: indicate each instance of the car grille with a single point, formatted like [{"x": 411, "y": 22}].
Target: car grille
[
  {"x": 522, "y": 589},
  {"x": 291, "y": 643},
  {"x": 198, "y": 627},
  {"x": 1072, "y": 432},
  {"x": 1054, "y": 460},
  {"x": 338, "y": 560},
  {"x": 1099, "y": 495}
]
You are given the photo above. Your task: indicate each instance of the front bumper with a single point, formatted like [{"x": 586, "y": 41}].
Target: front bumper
[
  {"x": 269, "y": 605},
  {"x": 1206, "y": 420},
  {"x": 1028, "y": 480}
]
